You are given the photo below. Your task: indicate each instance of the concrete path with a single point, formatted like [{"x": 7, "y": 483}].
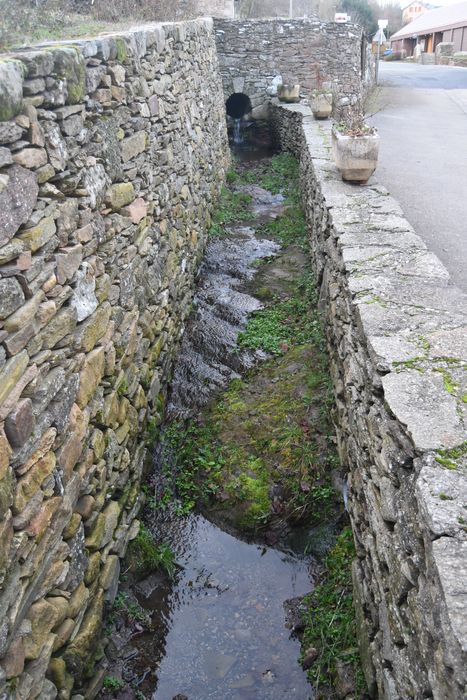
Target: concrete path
[{"x": 423, "y": 154}]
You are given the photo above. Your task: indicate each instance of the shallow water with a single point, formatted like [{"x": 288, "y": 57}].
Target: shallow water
[{"x": 224, "y": 618}]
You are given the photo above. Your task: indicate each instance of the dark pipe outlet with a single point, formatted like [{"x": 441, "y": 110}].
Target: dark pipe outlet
[{"x": 238, "y": 105}]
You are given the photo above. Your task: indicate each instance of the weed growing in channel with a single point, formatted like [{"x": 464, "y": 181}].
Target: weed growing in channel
[
  {"x": 295, "y": 320},
  {"x": 144, "y": 555},
  {"x": 112, "y": 683},
  {"x": 330, "y": 620},
  {"x": 231, "y": 207},
  {"x": 195, "y": 462}
]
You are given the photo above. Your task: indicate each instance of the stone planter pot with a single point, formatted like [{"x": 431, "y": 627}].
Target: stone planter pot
[
  {"x": 356, "y": 157},
  {"x": 321, "y": 105},
  {"x": 288, "y": 93}
]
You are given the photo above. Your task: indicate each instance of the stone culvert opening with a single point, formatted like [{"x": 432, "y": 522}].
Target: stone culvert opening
[{"x": 238, "y": 105}]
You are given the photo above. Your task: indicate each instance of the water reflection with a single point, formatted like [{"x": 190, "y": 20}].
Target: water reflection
[{"x": 224, "y": 618}]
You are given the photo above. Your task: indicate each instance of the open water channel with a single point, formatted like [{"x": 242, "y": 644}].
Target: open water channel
[{"x": 219, "y": 629}]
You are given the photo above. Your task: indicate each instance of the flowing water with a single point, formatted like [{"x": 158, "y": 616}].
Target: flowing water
[
  {"x": 237, "y": 132},
  {"x": 219, "y": 626}
]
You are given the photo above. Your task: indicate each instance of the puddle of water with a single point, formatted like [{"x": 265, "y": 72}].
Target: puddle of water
[{"x": 224, "y": 618}]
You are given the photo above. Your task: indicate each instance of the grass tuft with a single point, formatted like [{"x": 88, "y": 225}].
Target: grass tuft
[{"x": 330, "y": 619}]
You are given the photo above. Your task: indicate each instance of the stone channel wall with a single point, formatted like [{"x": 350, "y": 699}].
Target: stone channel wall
[
  {"x": 112, "y": 152},
  {"x": 256, "y": 55},
  {"x": 397, "y": 331}
]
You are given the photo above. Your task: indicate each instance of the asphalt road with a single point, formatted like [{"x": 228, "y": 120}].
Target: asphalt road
[{"x": 422, "y": 121}]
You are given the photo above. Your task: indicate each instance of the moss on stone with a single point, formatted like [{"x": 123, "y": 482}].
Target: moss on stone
[
  {"x": 70, "y": 66},
  {"x": 121, "y": 49}
]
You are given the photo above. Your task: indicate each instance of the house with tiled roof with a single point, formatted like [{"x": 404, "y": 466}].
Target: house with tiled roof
[
  {"x": 444, "y": 24},
  {"x": 415, "y": 9}
]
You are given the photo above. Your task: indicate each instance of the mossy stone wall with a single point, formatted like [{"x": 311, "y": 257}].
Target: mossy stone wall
[{"x": 112, "y": 153}]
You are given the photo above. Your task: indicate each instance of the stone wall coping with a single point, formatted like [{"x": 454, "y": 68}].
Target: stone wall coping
[
  {"x": 387, "y": 265},
  {"x": 414, "y": 322},
  {"x": 87, "y": 43}
]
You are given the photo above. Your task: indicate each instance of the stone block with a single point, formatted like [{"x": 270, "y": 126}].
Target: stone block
[
  {"x": 11, "y": 374},
  {"x": 25, "y": 314},
  {"x": 69, "y": 65},
  {"x": 19, "y": 423},
  {"x": 13, "y": 662},
  {"x": 137, "y": 210},
  {"x": 104, "y": 528},
  {"x": 61, "y": 325},
  {"x": 79, "y": 600},
  {"x": 68, "y": 262},
  {"x": 42, "y": 616},
  {"x": 55, "y": 145},
  {"x": 117, "y": 73},
  {"x": 37, "y": 236},
  {"x": 90, "y": 376},
  {"x": 421, "y": 402},
  {"x": 81, "y": 649},
  {"x": 70, "y": 452},
  {"x": 94, "y": 328},
  {"x": 5, "y": 157},
  {"x": 63, "y": 633},
  {"x": 11, "y": 88},
  {"x": 44, "y": 445},
  {"x": 17, "y": 201},
  {"x": 61, "y": 678},
  {"x": 29, "y": 484},
  {"x": 31, "y": 158},
  {"x": 120, "y": 194},
  {"x": 11, "y": 296},
  {"x": 133, "y": 146}
]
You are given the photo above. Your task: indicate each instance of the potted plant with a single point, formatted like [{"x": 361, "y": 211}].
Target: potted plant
[
  {"x": 321, "y": 98},
  {"x": 355, "y": 145},
  {"x": 288, "y": 92}
]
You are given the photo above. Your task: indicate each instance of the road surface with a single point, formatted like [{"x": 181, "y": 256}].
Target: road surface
[{"x": 422, "y": 121}]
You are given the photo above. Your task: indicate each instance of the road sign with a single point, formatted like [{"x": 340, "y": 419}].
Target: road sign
[{"x": 383, "y": 23}]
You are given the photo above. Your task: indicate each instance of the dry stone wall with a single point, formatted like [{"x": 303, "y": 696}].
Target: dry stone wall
[
  {"x": 256, "y": 55},
  {"x": 397, "y": 331},
  {"x": 112, "y": 152}
]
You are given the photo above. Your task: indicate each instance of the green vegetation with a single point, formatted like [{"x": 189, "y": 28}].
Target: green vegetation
[
  {"x": 272, "y": 432},
  {"x": 29, "y": 21},
  {"x": 449, "y": 384},
  {"x": 290, "y": 228},
  {"x": 112, "y": 683},
  {"x": 449, "y": 458},
  {"x": 128, "y": 609},
  {"x": 444, "y": 497},
  {"x": 330, "y": 620},
  {"x": 25, "y": 21},
  {"x": 295, "y": 319},
  {"x": 231, "y": 207},
  {"x": 197, "y": 465},
  {"x": 144, "y": 555},
  {"x": 279, "y": 175}
]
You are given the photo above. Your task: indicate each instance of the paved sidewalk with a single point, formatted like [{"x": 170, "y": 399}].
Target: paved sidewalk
[{"x": 423, "y": 155}]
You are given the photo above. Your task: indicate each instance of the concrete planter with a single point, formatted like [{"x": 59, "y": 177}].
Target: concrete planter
[
  {"x": 356, "y": 157},
  {"x": 288, "y": 93},
  {"x": 321, "y": 105}
]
